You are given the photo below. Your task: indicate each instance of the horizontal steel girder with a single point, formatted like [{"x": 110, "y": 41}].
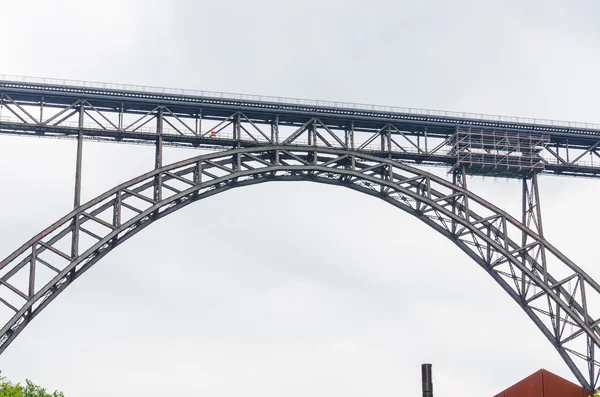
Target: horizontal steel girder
[
  {"x": 117, "y": 115},
  {"x": 556, "y": 296}
]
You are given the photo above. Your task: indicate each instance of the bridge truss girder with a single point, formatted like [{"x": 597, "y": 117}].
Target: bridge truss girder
[
  {"x": 534, "y": 273},
  {"x": 223, "y": 122}
]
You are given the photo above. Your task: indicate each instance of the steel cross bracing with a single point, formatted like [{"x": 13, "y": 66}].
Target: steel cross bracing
[
  {"x": 199, "y": 119},
  {"x": 362, "y": 147}
]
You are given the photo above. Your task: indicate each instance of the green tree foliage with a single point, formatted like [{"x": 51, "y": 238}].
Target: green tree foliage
[{"x": 8, "y": 389}]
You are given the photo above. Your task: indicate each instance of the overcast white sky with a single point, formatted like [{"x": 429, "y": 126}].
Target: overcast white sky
[{"x": 293, "y": 289}]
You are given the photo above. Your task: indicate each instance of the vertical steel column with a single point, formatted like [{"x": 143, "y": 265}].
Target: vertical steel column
[
  {"x": 459, "y": 179},
  {"x": 524, "y": 221},
  {"x": 538, "y": 211},
  {"x": 533, "y": 214},
  {"x": 32, "y": 265},
  {"x": 121, "y": 111},
  {"x": 158, "y": 156},
  {"x": 591, "y": 348},
  {"x": 234, "y": 125},
  {"x": 275, "y": 130},
  {"x": 456, "y": 180},
  {"x": 275, "y": 136},
  {"x": 198, "y": 173},
  {"x": 77, "y": 195},
  {"x": 314, "y": 134},
  {"x": 42, "y": 110},
  {"x": 117, "y": 210},
  {"x": 456, "y": 144},
  {"x": 347, "y": 137},
  {"x": 237, "y": 130},
  {"x": 353, "y": 159},
  {"x": 199, "y": 123},
  {"x": 348, "y": 144},
  {"x": 532, "y": 217},
  {"x": 464, "y": 186},
  {"x": 237, "y": 163},
  {"x": 386, "y": 146}
]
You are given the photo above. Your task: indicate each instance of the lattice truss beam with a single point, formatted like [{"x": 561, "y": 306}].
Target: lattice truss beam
[
  {"x": 134, "y": 125},
  {"x": 195, "y": 126},
  {"x": 557, "y": 295}
]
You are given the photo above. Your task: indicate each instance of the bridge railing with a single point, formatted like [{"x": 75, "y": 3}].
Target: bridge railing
[{"x": 298, "y": 101}]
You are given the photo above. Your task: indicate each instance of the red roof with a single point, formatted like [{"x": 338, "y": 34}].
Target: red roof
[{"x": 544, "y": 384}]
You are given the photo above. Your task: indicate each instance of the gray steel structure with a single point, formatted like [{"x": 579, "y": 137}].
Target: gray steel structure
[{"x": 374, "y": 150}]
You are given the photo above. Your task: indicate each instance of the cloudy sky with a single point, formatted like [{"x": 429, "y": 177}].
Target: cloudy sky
[{"x": 293, "y": 289}]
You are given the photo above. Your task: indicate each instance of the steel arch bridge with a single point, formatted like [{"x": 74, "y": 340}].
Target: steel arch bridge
[{"x": 370, "y": 149}]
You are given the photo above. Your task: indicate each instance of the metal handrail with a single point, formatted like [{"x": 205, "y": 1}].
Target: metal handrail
[{"x": 299, "y": 101}]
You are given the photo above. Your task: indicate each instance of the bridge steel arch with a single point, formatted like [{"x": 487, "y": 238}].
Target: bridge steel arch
[{"x": 528, "y": 268}]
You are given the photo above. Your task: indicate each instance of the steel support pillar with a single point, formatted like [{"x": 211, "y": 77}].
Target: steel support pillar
[
  {"x": 352, "y": 158},
  {"x": 198, "y": 173},
  {"x": 77, "y": 195},
  {"x": 312, "y": 141},
  {"x": 275, "y": 131},
  {"x": 237, "y": 129},
  {"x": 460, "y": 203},
  {"x": 532, "y": 218},
  {"x": 198, "y": 127},
  {"x": 158, "y": 155},
  {"x": 117, "y": 210},
  {"x": 275, "y": 137},
  {"x": 464, "y": 186},
  {"x": 388, "y": 141},
  {"x": 32, "y": 265},
  {"x": 315, "y": 143},
  {"x": 42, "y": 110},
  {"x": 347, "y": 138},
  {"x": 121, "y": 112},
  {"x": 532, "y": 215},
  {"x": 238, "y": 158}
]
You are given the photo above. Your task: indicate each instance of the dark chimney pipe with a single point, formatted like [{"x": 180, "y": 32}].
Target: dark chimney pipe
[{"x": 426, "y": 379}]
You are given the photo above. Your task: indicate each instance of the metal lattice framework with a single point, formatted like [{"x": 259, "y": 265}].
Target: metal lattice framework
[
  {"x": 552, "y": 290},
  {"x": 364, "y": 147}
]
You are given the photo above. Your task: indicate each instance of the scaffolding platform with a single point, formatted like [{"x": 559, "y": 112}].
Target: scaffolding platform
[{"x": 507, "y": 154}]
